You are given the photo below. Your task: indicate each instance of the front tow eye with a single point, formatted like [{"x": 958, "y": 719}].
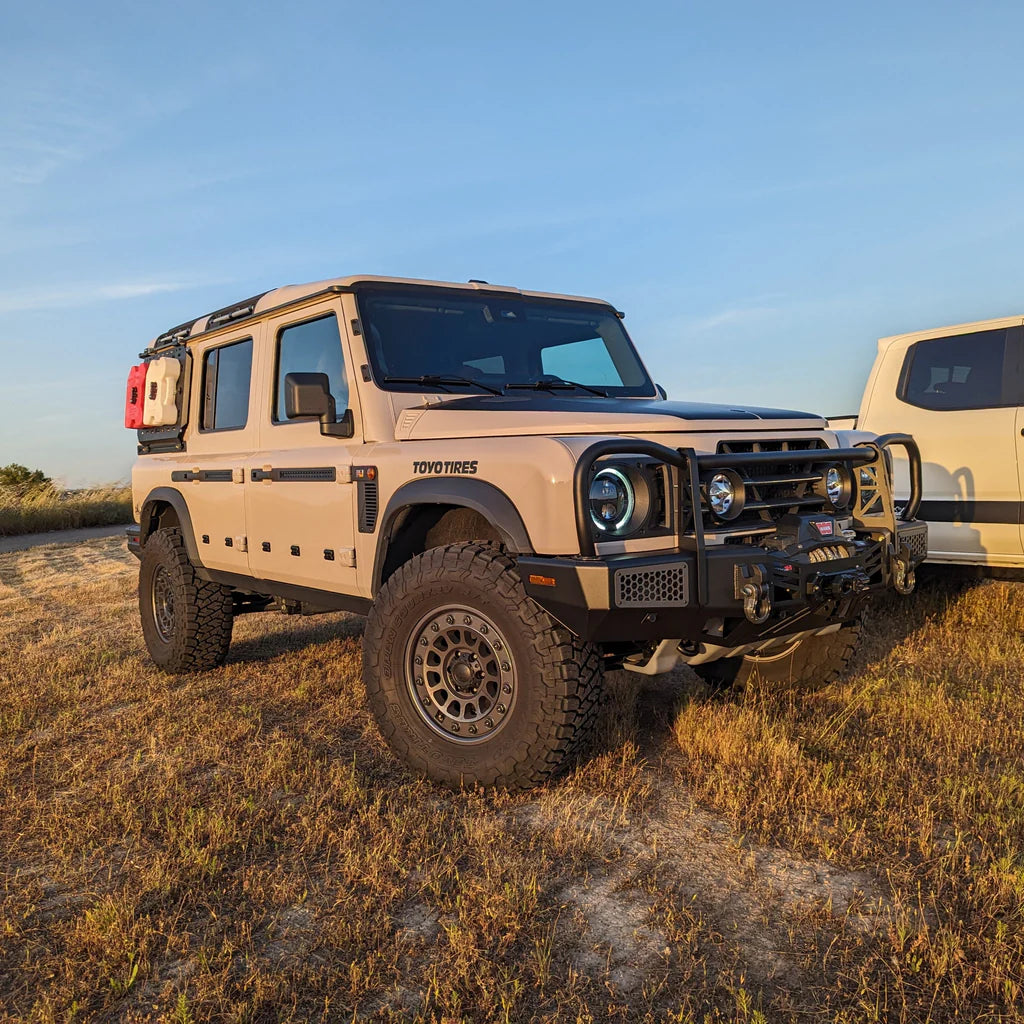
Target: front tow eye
[
  {"x": 903, "y": 577},
  {"x": 757, "y": 605},
  {"x": 751, "y": 585}
]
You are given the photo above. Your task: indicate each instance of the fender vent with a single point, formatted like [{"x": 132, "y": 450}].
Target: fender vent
[
  {"x": 653, "y": 586},
  {"x": 368, "y": 505}
]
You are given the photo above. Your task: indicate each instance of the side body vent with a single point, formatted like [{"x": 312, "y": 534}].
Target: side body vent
[{"x": 368, "y": 498}]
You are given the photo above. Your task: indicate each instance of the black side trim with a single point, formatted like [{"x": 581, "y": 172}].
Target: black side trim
[
  {"x": 297, "y": 474},
  {"x": 223, "y": 476},
  {"x": 969, "y": 511},
  {"x": 325, "y": 599},
  {"x": 491, "y": 502}
]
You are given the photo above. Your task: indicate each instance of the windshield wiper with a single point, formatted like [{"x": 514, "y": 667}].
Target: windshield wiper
[
  {"x": 442, "y": 381},
  {"x": 552, "y": 383}
]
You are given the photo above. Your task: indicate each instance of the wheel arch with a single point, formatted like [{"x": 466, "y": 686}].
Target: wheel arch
[
  {"x": 166, "y": 506},
  {"x": 418, "y": 506}
]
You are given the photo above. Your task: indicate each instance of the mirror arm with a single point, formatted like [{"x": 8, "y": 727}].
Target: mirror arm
[{"x": 345, "y": 427}]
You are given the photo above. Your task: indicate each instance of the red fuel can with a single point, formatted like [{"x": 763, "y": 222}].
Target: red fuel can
[{"x": 135, "y": 396}]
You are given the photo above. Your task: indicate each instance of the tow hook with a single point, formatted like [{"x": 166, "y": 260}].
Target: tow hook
[
  {"x": 903, "y": 577},
  {"x": 751, "y": 585}
]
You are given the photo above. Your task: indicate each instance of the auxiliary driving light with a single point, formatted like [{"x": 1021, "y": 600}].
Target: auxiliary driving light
[
  {"x": 838, "y": 486},
  {"x": 726, "y": 494}
]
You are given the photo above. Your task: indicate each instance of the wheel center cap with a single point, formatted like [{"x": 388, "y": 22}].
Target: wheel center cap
[{"x": 462, "y": 672}]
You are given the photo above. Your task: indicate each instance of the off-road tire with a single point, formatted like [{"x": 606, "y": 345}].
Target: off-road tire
[
  {"x": 196, "y": 633},
  {"x": 810, "y": 665},
  {"x": 558, "y": 681}
]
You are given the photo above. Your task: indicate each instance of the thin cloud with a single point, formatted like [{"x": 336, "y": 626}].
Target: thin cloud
[{"x": 63, "y": 296}]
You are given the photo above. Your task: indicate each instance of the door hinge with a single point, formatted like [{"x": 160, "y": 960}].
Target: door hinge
[
  {"x": 242, "y": 543},
  {"x": 347, "y": 557}
]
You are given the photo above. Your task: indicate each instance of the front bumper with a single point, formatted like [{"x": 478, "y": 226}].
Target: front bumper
[{"x": 698, "y": 596}]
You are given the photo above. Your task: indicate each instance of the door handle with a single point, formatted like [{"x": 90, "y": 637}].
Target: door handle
[{"x": 258, "y": 475}]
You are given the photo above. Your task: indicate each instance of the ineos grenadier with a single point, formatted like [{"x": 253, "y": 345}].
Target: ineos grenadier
[{"x": 491, "y": 476}]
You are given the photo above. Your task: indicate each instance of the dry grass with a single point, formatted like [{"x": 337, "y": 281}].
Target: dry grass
[
  {"x": 44, "y": 508},
  {"x": 239, "y": 846}
]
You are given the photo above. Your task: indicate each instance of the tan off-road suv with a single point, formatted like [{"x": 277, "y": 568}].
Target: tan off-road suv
[{"x": 491, "y": 476}]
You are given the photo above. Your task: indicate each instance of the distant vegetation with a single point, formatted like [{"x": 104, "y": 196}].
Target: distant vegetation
[{"x": 29, "y": 503}]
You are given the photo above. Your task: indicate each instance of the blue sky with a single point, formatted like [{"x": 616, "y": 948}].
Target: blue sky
[{"x": 764, "y": 188}]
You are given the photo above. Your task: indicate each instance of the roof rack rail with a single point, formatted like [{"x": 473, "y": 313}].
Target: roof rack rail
[
  {"x": 236, "y": 311},
  {"x": 175, "y": 336}
]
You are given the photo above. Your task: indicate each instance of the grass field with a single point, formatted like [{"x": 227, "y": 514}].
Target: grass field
[
  {"x": 43, "y": 509},
  {"x": 240, "y": 846}
]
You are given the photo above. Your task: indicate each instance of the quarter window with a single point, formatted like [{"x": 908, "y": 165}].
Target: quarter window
[
  {"x": 965, "y": 371},
  {"x": 311, "y": 347},
  {"x": 226, "y": 374}
]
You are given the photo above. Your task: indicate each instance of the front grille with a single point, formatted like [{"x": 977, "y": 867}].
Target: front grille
[
  {"x": 776, "y": 488},
  {"x": 653, "y": 586}
]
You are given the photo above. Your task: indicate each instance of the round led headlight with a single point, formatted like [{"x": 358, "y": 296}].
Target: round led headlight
[
  {"x": 612, "y": 500},
  {"x": 726, "y": 494},
  {"x": 838, "y": 484}
]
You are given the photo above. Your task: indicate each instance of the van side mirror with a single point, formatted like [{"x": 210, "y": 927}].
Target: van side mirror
[
  {"x": 662, "y": 393},
  {"x": 309, "y": 394}
]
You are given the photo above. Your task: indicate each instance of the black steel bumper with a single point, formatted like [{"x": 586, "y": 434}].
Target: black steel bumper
[
  {"x": 728, "y": 594},
  {"x": 631, "y": 598}
]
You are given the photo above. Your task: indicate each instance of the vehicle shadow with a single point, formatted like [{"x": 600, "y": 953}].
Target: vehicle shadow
[{"x": 287, "y": 635}]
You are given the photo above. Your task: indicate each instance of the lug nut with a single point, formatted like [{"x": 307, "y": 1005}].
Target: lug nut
[
  {"x": 489, "y": 723},
  {"x": 506, "y": 688},
  {"x": 501, "y": 709},
  {"x": 450, "y": 619},
  {"x": 472, "y": 729},
  {"x": 468, "y": 620},
  {"x": 419, "y": 660},
  {"x": 506, "y": 667},
  {"x": 434, "y": 626}
]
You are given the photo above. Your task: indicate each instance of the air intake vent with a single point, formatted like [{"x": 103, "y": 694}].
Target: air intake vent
[
  {"x": 368, "y": 504},
  {"x": 653, "y": 586}
]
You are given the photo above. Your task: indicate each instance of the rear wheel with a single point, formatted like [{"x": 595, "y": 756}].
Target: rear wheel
[
  {"x": 470, "y": 681},
  {"x": 798, "y": 665},
  {"x": 186, "y": 621}
]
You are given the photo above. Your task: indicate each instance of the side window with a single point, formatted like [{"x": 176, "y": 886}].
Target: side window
[
  {"x": 586, "y": 361},
  {"x": 226, "y": 374},
  {"x": 311, "y": 347},
  {"x": 965, "y": 371}
]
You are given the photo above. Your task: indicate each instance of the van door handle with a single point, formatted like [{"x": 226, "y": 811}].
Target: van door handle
[{"x": 259, "y": 475}]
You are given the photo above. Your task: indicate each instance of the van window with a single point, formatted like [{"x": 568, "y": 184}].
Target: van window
[
  {"x": 965, "y": 371},
  {"x": 311, "y": 347},
  {"x": 226, "y": 374}
]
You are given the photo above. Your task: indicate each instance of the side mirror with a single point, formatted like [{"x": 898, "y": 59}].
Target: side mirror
[
  {"x": 309, "y": 394},
  {"x": 661, "y": 392}
]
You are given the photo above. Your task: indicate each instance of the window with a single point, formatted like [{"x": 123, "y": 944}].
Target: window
[
  {"x": 966, "y": 371},
  {"x": 311, "y": 347},
  {"x": 503, "y": 341},
  {"x": 226, "y": 374},
  {"x": 586, "y": 361}
]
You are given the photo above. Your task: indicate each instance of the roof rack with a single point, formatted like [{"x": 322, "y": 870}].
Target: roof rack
[{"x": 228, "y": 314}]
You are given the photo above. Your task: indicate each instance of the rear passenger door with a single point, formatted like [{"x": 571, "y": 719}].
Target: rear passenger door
[
  {"x": 961, "y": 398},
  {"x": 212, "y": 476},
  {"x": 301, "y": 498}
]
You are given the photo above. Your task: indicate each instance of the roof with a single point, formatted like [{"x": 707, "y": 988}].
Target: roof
[
  {"x": 290, "y": 294},
  {"x": 904, "y": 340}
]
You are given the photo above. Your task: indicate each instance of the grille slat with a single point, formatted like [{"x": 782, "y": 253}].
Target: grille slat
[{"x": 774, "y": 487}]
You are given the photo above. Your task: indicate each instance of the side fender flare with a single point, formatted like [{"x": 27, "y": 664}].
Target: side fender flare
[
  {"x": 174, "y": 498},
  {"x": 479, "y": 495}
]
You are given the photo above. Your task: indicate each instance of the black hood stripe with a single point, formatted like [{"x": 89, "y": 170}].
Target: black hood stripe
[{"x": 629, "y": 406}]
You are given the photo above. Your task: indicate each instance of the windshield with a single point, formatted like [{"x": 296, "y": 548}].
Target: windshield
[{"x": 430, "y": 339}]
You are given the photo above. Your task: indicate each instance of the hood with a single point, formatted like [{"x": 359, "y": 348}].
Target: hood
[{"x": 499, "y": 416}]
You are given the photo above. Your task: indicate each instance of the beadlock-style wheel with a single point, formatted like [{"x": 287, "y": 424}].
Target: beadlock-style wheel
[
  {"x": 461, "y": 674},
  {"x": 163, "y": 604}
]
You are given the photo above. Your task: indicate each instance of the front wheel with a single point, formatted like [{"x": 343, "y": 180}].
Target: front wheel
[
  {"x": 798, "y": 665},
  {"x": 470, "y": 681}
]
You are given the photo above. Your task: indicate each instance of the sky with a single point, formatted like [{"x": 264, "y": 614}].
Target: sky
[{"x": 765, "y": 189}]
